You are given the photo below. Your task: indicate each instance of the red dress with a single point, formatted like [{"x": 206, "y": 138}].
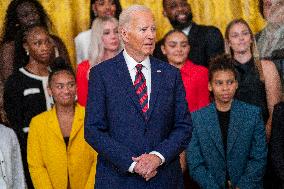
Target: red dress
[
  {"x": 82, "y": 82},
  {"x": 195, "y": 81}
]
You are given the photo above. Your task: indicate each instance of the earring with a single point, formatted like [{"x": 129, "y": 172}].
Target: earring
[
  {"x": 27, "y": 52},
  {"x": 51, "y": 100}
]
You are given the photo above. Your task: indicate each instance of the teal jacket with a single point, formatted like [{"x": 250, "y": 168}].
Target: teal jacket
[{"x": 246, "y": 153}]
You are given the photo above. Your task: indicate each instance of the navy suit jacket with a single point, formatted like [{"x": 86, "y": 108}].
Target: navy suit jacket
[
  {"x": 115, "y": 126},
  {"x": 246, "y": 153}
]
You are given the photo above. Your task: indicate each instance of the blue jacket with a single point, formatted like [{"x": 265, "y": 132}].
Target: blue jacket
[
  {"x": 116, "y": 129},
  {"x": 246, "y": 148}
]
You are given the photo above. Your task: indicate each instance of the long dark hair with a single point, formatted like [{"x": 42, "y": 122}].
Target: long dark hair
[
  {"x": 260, "y": 7},
  {"x": 117, "y": 12},
  {"x": 21, "y": 57},
  {"x": 11, "y": 23}
]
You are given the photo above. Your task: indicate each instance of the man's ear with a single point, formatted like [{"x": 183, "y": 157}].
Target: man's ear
[{"x": 124, "y": 34}]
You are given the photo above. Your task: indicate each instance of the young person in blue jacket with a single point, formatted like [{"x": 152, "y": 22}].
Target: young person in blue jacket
[{"x": 228, "y": 147}]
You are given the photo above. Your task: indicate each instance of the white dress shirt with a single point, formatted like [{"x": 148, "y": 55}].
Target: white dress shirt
[
  {"x": 187, "y": 30},
  {"x": 146, "y": 70}
]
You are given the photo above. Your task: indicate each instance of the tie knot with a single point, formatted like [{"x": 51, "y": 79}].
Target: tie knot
[{"x": 139, "y": 67}]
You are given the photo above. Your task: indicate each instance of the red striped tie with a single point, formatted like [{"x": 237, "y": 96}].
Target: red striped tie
[{"x": 141, "y": 88}]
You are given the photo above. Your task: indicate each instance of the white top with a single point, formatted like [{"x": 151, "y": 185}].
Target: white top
[
  {"x": 82, "y": 43},
  {"x": 11, "y": 166},
  {"x": 44, "y": 80}
]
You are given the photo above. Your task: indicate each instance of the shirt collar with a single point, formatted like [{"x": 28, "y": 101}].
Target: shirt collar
[
  {"x": 131, "y": 63},
  {"x": 187, "y": 30}
]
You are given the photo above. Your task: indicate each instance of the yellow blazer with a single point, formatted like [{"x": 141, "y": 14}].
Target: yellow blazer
[{"x": 50, "y": 163}]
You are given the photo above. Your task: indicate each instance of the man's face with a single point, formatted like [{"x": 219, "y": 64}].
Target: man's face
[
  {"x": 178, "y": 13},
  {"x": 139, "y": 35}
]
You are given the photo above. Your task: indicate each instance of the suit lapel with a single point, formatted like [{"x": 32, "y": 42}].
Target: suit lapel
[
  {"x": 53, "y": 123},
  {"x": 214, "y": 129},
  {"x": 234, "y": 125},
  {"x": 77, "y": 123},
  {"x": 192, "y": 33},
  {"x": 126, "y": 82},
  {"x": 156, "y": 76}
]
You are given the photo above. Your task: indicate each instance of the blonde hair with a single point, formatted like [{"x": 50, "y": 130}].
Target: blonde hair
[
  {"x": 253, "y": 47},
  {"x": 96, "y": 48}
]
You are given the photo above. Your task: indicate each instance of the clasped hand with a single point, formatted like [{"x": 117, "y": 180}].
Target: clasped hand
[{"x": 147, "y": 165}]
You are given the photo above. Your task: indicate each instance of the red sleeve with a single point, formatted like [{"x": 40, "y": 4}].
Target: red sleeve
[
  {"x": 203, "y": 92},
  {"x": 195, "y": 80},
  {"x": 82, "y": 82}
]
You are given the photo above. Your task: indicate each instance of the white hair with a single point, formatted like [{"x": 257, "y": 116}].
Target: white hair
[{"x": 126, "y": 15}]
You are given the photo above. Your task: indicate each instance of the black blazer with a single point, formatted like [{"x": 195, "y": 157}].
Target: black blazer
[
  {"x": 277, "y": 142},
  {"x": 205, "y": 42}
]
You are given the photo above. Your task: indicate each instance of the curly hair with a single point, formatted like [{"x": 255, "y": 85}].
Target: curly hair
[
  {"x": 59, "y": 65},
  {"x": 222, "y": 62},
  {"x": 11, "y": 23},
  {"x": 117, "y": 12}
]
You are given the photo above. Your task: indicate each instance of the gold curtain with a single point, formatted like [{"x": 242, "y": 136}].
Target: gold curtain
[{"x": 71, "y": 17}]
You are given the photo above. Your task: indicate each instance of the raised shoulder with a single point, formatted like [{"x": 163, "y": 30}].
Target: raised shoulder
[
  {"x": 81, "y": 110},
  {"x": 42, "y": 116},
  {"x": 202, "y": 111},
  {"x": 7, "y": 132},
  {"x": 246, "y": 106},
  {"x": 200, "y": 68},
  {"x": 14, "y": 80},
  {"x": 268, "y": 67},
  {"x": 83, "y": 35},
  {"x": 208, "y": 29}
]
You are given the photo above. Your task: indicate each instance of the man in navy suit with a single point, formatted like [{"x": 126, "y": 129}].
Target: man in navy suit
[
  {"x": 205, "y": 41},
  {"x": 228, "y": 147},
  {"x": 137, "y": 117}
]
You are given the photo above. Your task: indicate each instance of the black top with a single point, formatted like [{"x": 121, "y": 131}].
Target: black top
[
  {"x": 251, "y": 89},
  {"x": 66, "y": 140},
  {"x": 25, "y": 96},
  {"x": 277, "y": 142},
  {"x": 224, "y": 119}
]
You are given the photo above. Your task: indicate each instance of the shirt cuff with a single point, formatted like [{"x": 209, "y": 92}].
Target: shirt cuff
[
  {"x": 159, "y": 155},
  {"x": 131, "y": 168}
]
